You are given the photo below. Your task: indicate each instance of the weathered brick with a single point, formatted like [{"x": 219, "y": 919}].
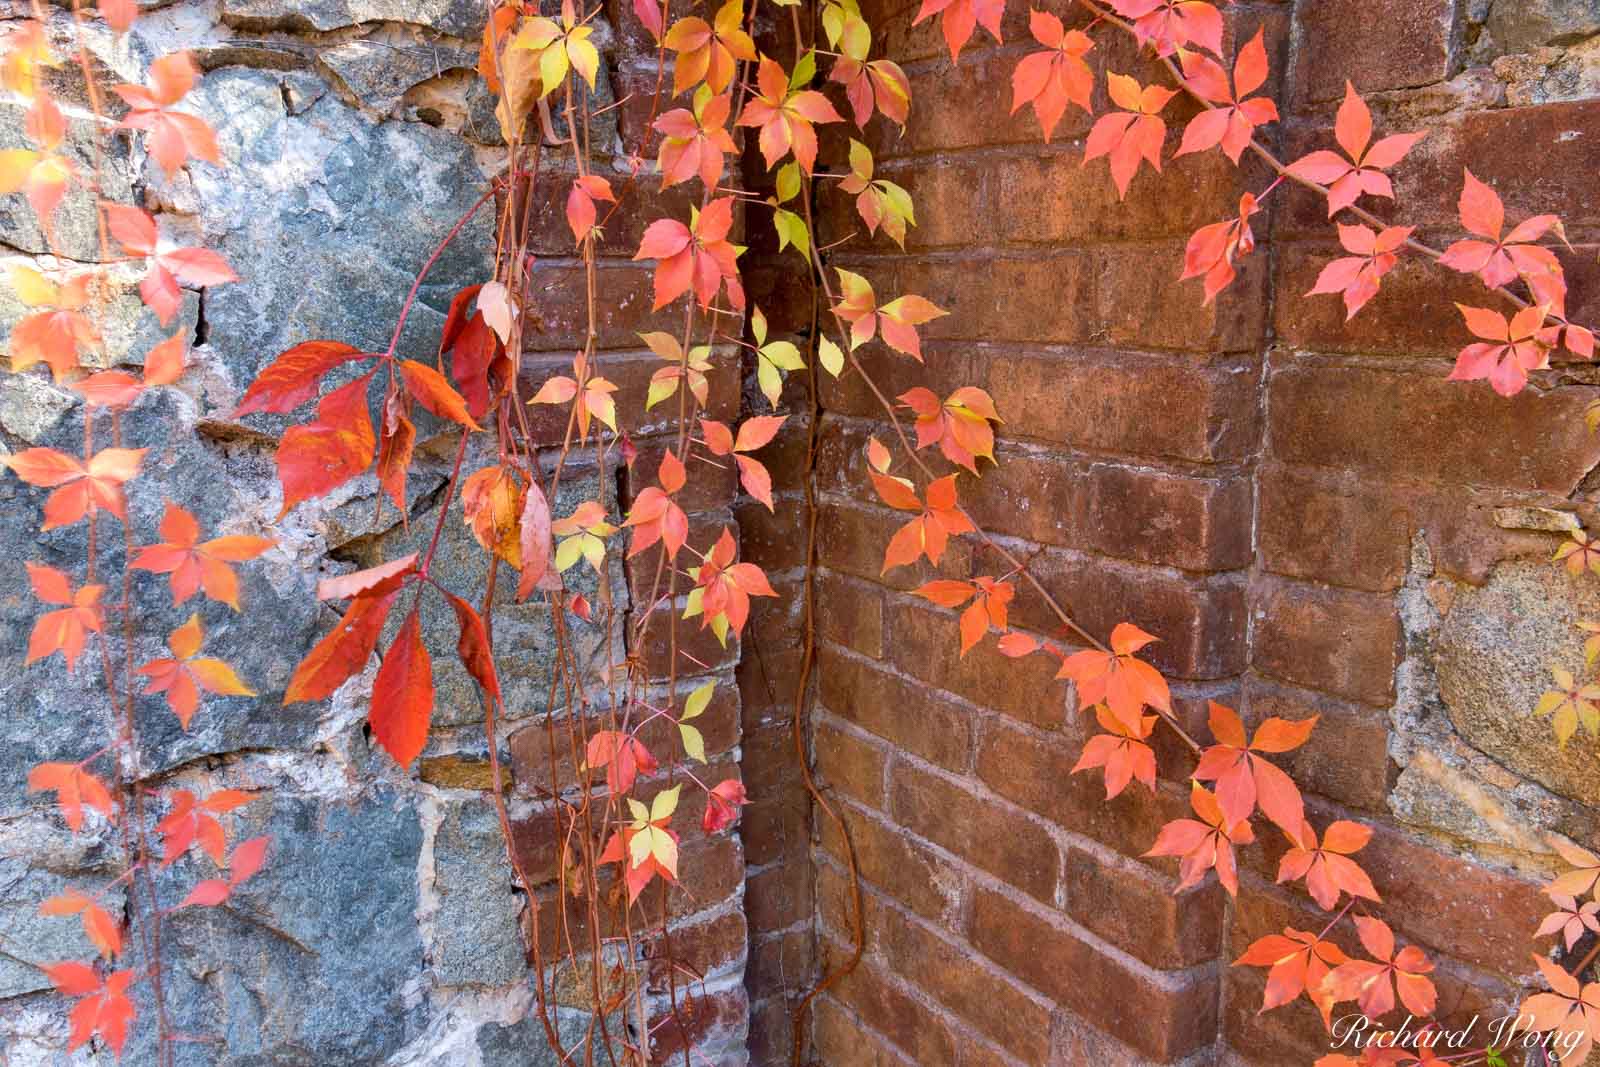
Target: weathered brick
[
  {"x": 1138, "y": 912},
  {"x": 900, "y": 867},
  {"x": 1347, "y": 756},
  {"x": 1394, "y": 44},
  {"x": 779, "y": 896},
  {"x": 922, "y": 1033},
  {"x": 850, "y": 614},
  {"x": 630, "y": 372},
  {"x": 1340, "y": 642},
  {"x": 1031, "y": 769},
  {"x": 924, "y": 642},
  {"x": 1125, "y": 402},
  {"x": 705, "y": 945},
  {"x": 839, "y": 1038},
  {"x": 991, "y": 836},
  {"x": 1199, "y": 620},
  {"x": 699, "y": 1016},
  {"x": 949, "y": 973},
  {"x": 1164, "y": 1016},
  {"x": 850, "y": 763},
  {"x": 895, "y": 709},
  {"x": 1331, "y": 528},
  {"x": 1143, "y": 304},
  {"x": 697, "y": 649},
  {"x": 1427, "y": 428}
]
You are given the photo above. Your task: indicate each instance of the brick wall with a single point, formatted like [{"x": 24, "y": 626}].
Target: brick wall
[{"x": 1292, "y": 503}]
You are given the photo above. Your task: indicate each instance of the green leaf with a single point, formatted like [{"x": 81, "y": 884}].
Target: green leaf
[
  {"x": 784, "y": 355},
  {"x": 661, "y": 388},
  {"x": 788, "y": 182},
  {"x": 771, "y": 383},
  {"x": 860, "y": 159},
  {"x": 758, "y": 326},
  {"x": 698, "y": 700},
  {"x": 831, "y": 356},
  {"x": 694, "y": 746},
  {"x": 641, "y": 814},
  {"x": 805, "y": 71},
  {"x": 791, "y": 231},
  {"x": 568, "y": 552},
  {"x": 665, "y": 803}
]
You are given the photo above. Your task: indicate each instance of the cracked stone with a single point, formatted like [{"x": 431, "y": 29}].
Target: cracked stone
[
  {"x": 327, "y": 217},
  {"x": 379, "y": 73},
  {"x": 460, "y": 18},
  {"x": 76, "y": 222}
]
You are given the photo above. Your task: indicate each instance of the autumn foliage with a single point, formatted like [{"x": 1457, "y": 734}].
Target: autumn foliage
[{"x": 723, "y": 89}]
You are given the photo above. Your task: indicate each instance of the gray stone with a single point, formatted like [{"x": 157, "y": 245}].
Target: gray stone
[
  {"x": 310, "y": 961},
  {"x": 29, "y": 940},
  {"x": 479, "y": 941},
  {"x": 128, "y": 328},
  {"x": 327, "y": 218},
  {"x": 1495, "y": 649},
  {"x": 47, "y": 713},
  {"x": 462, "y": 18},
  {"x": 77, "y": 228},
  {"x": 525, "y": 1043},
  {"x": 1520, "y": 25},
  {"x": 379, "y": 72}
]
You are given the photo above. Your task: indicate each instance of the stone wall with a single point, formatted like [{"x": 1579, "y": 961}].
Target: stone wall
[
  {"x": 1312, "y": 519},
  {"x": 384, "y": 929}
]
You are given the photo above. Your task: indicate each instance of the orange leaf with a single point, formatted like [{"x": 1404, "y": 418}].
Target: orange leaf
[{"x": 402, "y": 695}]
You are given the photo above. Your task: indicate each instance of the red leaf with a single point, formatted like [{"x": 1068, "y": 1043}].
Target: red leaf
[
  {"x": 402, "y": 695},
  {"x": 349, "y": 585},
  {"x": 292, "y": 378},
  {"x": 344, "y": 652},
  {"x": 473, "y": 646},
  {"x": 433, "y": 392},
  {"x": 535, "y": 540},
  {"x": 318, "y": 458}
]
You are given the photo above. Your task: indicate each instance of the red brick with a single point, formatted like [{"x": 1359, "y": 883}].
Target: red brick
[
  {"x": 847, "y": 762},
  {"x": 631, "y": 374},
  {"x": 895, "y": 709},
  {"x": 1331, "y": 527},
  {"x": 1391, "y": 44},
  {"x": 699, "y": 1015},
  {"x": 780, "y": 964},
  {"x": 850, "y": 614},
  {"x": 1125, "y": 402},
  {"x": 1453, "y": 904},
  {"x": 1200, "y": 620},
  {"x": 704, "y": 946},
  {"x": 1341, "y": 642},
  {"x": 1048, "y": 297},
  {"x": 1031, "y": 769},
  {"x": 1142, "y": 302},
  {"x": 1128, "y": 906},
  {"x": 992, "y": 837},
  {"x": 949, "y": 973},
  {"x": 840, "y": 1038},
  {"x": 853, "y": 539},
  {"x": 698, "y": 651},
  {"x": 1165, "y": 1017},
  {"x": 925, "y": 643},
  {"x": 921, "y": 1033},
  {"x": 1347, "y": 757},
  {"x": 776, "y": 824},
  {"x": 778, "y": 897},
  {"x": 1197, "y": 524},
  {"x": 708, "y": 488},
  {"x": 887, "y": 858}
]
